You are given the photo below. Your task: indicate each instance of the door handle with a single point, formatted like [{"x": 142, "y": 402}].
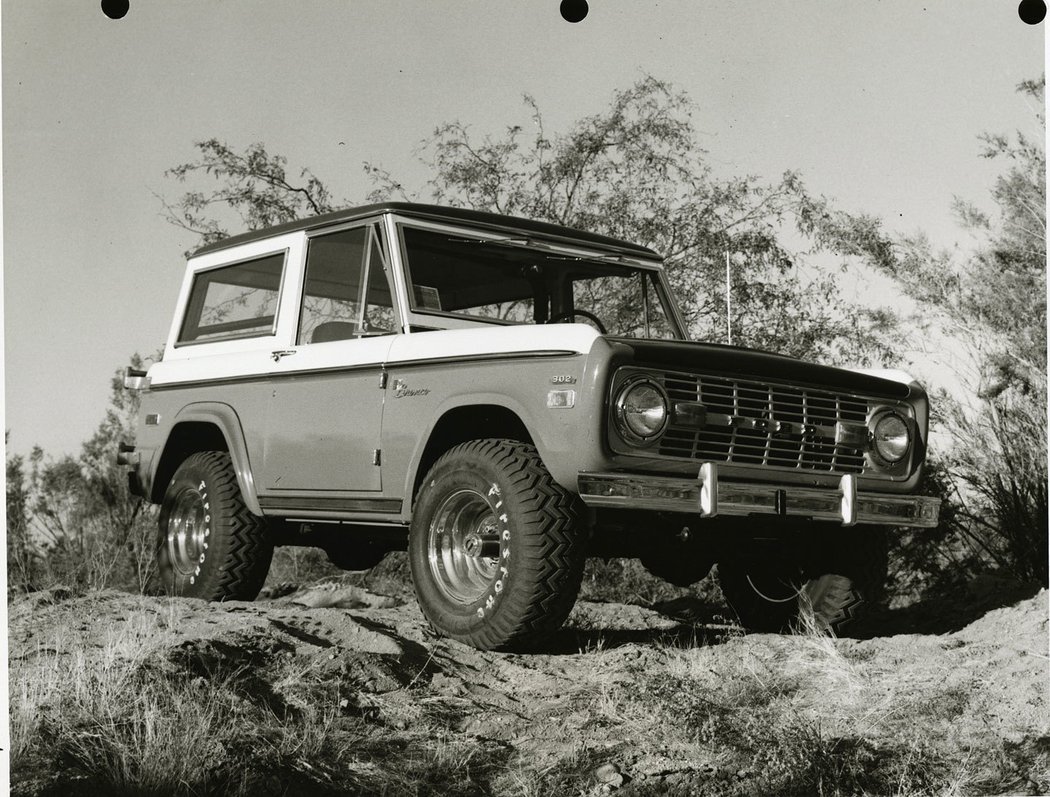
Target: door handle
[{"x": 277, "y": 355}]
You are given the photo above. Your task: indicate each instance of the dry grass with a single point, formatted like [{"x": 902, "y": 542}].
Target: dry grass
[
  {"x": 105, "y": 714},
  {"x": 793, "y": 716},
  {"x": 125, "y": 719},
  {"x": 753, "y": 715}
]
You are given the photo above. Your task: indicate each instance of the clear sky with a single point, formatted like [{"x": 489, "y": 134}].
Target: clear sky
[{"x": 877, "y": 103}]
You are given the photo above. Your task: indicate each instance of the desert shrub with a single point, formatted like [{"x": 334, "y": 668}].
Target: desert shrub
[
  {"x": 297, "y": 566},
  {"x": 624, "y": 581},
  {"x": 75, "y": 520},
  {"x": 1000, "y": 483},
  {"x": 993, "y": 486},
  {"x": 300, "y": 566}
]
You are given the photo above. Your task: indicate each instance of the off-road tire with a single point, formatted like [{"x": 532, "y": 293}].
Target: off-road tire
[
  {"x": 209, "y": 545},
  {"x": 497, "y": 499},
  {"x": 839, "y": 577}
]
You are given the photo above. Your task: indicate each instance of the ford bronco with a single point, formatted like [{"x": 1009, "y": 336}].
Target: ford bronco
[{"x": 505, "y": 398}]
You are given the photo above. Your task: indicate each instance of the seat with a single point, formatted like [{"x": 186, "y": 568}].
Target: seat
[{"x": 333, "y": 330}]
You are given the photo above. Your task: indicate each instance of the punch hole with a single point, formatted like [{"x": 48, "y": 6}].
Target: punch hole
[
  {"x": 573, "y": 10},
  {"x": 115, "y": 9},
  {"x": 1032, "y": 12}
]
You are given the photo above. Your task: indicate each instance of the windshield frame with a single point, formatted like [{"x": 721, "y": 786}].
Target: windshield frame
[{"x": 417, "y": 319}]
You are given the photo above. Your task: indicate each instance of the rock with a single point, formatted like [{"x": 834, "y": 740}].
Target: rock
[
  {"x": 343, "y": 597},
  {"x": 278, "y": 590},
  {"x": 609, "y": 774}
]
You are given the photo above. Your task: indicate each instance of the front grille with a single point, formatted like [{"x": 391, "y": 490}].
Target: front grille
[{"x": 752, "y": 422}]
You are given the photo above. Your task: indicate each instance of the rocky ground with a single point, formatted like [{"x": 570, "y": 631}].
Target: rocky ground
[{"x": 337, "y": 689}]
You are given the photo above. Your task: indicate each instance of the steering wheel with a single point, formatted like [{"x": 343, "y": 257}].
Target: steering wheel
[{"x": 585, "y": 313}]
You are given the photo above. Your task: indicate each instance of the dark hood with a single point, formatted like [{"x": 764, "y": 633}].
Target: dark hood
[{"x": 714, "y": 358}]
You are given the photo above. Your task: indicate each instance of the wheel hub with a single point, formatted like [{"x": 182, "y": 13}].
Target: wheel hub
[
  {"x": 463, "y": 546},
  {"x": 187, "y": 532}
]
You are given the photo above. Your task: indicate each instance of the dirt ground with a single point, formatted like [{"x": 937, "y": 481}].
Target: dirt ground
[{"x": 593, "y": 712}]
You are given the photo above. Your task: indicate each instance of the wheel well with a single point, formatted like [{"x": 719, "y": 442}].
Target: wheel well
[
  {"x": 185, "y": 439},
  {"x": 476, "y": 422}
]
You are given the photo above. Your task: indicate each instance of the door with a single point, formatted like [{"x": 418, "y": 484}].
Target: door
[{"x": 326, "y": 403}]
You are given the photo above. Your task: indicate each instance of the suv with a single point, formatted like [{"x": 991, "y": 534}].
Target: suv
[{"x": 505, "y": 397}]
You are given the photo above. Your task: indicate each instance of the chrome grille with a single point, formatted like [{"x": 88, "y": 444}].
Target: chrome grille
[{"x": 752, "y": 422}]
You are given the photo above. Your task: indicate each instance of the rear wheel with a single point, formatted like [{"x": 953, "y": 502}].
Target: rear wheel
[
  {"x": 496, "y": 546},
  {"x": 209, "y": 545},
  {"x": 839, "y": 577}
]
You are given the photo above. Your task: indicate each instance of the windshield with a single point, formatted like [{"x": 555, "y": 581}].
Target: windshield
[{"x": 519, "y": 281}]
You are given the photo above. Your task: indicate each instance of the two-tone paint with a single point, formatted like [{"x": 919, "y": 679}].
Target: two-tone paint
[{"x": 345, "y": 430}]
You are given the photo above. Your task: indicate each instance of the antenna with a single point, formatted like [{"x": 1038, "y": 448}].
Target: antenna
[{"x": 729, "y": 305}]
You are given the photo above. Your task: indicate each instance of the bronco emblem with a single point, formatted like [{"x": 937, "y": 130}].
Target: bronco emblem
[{"x": 402, "y": 390}]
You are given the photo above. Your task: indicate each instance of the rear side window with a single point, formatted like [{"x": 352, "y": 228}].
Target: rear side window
[{"x": 234, "y": 301}]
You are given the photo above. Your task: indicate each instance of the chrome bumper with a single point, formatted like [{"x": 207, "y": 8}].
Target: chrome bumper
[{"x": 709, "y": 497}]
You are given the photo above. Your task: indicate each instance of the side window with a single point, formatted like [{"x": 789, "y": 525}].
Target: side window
[
  {"x": 234, "y": 301},
  {"x": 345, "y": 294},
  {"x": 379, "y": 304}
]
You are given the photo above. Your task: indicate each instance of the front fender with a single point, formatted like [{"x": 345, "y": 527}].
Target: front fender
[{"x": 441, "y": 411}]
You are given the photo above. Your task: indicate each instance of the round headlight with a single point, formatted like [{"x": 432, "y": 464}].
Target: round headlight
[
  {"x": 891, "y": 438},
  {"x": 641, "y": 411}
]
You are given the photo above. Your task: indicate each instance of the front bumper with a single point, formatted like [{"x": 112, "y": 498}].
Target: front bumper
[{"x": 709, "y": 497}]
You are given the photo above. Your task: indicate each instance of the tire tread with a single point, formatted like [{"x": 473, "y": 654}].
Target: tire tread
[
  {"x": 242, "y": 543},
  {"x": 554, "y": 557}
]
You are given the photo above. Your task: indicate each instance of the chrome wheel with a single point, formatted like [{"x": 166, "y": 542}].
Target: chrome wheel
[
  {"x": 187, "y": 532},
  {"x": 463, "y": 546}
]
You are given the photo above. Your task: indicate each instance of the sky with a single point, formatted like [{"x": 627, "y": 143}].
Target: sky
[{"x": 878, "y": 104}]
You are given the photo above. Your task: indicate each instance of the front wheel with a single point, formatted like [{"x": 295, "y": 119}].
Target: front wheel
[
  {"x": 209, "y": 545},
  {"x": 840, "y": 575},
  {"x": 496, "y": 546}
]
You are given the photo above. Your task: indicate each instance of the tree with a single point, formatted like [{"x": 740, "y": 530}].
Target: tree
[
  {"x": 253, "y": 184},
  {"x": 21, "y": 554},
  {"x": 990, "y": 299},
  {"x": 73, "y": 520},
  {"x": 633, "y": 171},
  {"x": 1000, "y": 300},
  {"x": 122, "y": 514}
]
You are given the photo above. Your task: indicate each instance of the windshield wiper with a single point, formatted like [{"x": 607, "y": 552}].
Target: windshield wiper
[{"x": 526, "y": 242}]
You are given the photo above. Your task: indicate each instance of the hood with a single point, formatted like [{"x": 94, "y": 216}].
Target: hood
[{"x": 738, "y": 361}]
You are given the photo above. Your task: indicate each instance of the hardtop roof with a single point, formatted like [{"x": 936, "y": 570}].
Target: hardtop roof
[{"x": 491, "y": 221}]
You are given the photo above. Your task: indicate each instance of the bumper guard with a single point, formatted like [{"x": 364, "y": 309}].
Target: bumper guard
[{"x": 709, "y": 497}]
